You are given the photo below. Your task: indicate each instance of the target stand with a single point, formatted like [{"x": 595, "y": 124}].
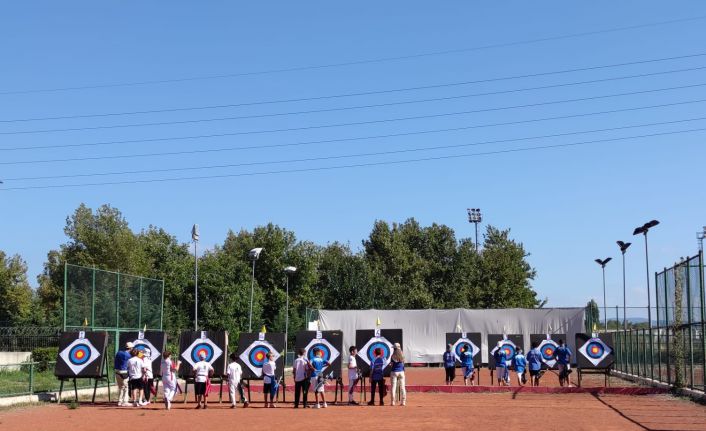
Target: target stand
[
  {"x": 595, "y": 355},
  {"x": 339, "y": 385},
  {"x": 96, "y": 380},
  {"x": 604, "y": 371}
]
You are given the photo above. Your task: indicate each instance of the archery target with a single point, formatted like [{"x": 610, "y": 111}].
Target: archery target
[
  {"x": 255, "y": 356},
  {"x": 79, "y": 354},
  {"x": 508, "y": 342},
  {"x": 547, "y": 349},
  {"x": 461, "y": 345},
  {"x": 509, "y": 347},
  {"x": 595, "y": 350},
  {"x": 329, "y": 353},
  {"x": 143, "y": 345},
  {"x": 202, "y": 345},
  {"x": 374, "y": 344}
]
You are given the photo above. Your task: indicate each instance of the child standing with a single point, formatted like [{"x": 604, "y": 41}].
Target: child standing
[
  {"x": 534, "y": 362},
  {"x": 397, "y": 375},
  {"x": 268, "y": 378},
  {"x": 353, "y": 374},
  {"x": 135, "y": 372},
  {"x": 234, "y": 373},
  {"x": 519, "y": 363},
  {"x": 169, "y": 379},
  {"x": 468, "y": 369},
  {"x": 377, "y": 377},
  {"x": 318, "y": 380},
  {"x": 202, "y": 372},
  {"x": 300, "y": 369},
  {"x": 449, "y": 365},
  {"x": 149, "y": 376}
]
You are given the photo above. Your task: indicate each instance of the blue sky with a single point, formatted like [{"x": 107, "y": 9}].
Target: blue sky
[{"x": 567, "y": 205}]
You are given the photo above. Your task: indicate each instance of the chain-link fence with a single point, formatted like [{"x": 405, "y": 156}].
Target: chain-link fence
[
  {"x": 98, "y": 299},
  {"x": 673, "y": 351}
]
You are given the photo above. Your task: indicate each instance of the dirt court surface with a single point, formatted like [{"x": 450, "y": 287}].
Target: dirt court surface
[{"x": 424, "y": 411}]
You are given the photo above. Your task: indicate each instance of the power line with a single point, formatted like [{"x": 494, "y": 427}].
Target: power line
[
  {"x": 395, "y": 162},
  {"x": 432, "y": 148},
  {"x": 394, "y": 90},
  {"x": 533, "y": 120},
  {"x": 252, "y": 132},
  {"x": 356, "y": 62}
]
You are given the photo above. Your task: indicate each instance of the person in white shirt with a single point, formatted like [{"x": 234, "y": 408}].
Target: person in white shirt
[
  {"x": 353, "y": 374},
  {"x": 234, "y": 373},
  {"x": 149, "y": 376},
  {"x": 169, "y": 378},
  {"x": 135, "y": 373},
  {"x": 300, "y": 370},
  {"x": 268, "y": 378},
  {"x": 202, "y": 371}
]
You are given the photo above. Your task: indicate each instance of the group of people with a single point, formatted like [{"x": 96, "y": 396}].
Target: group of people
[
  {"x": 519, "y": 363},
  {"x": 134, "y": 376}
]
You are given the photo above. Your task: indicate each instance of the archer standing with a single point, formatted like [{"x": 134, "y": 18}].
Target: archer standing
[
  {"x": 534, "y": 363},
  {"x": 300, "y": 369},
  {"x": 121, "y": 377},
  {"x": 449, "y": 365},
  {"x": 234, "y": 372},
  {"x": 202, "y": 372},
  {"x": 135, "y": 372},
  {"x": 268, "y": 379},
  {"x": 353, "y": 374},
  {"x": 467, "y": 361},
  {"x": 397, "y": 376},
  {"x": 377, "y": 377},
  {"x": 317, "y": 366},
  {"x": 501, "y": 364},
  {"x": 169, "y": 379}
]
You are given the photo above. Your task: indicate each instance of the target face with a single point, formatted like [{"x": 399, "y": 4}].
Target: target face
[
  {"x": 255, "y": 356},
  {"x": 462, "y": 345},
  {"x": 547, "y": 349},
  {"x": 142, "y": 345},
  {"x": 509, "y": 348},
  {"x": 79, "y": 354},
  {"x": 374, "y": 344},
  {"x": 202, "y": 345},
  {"x": 595, "y": 350},
  {"x": 328, "y": 352}
]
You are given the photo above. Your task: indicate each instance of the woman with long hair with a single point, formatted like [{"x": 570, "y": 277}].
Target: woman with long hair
[{"x": 397, "y": 376}]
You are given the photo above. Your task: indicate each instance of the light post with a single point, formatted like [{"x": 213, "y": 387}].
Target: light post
[
  {"x": 603, "y": 263},
  {"x": 195, "y": 238},
  {"x": 288, "y": 271},
  {"x": 475, "y": 217},
  {"x": 254, "y": 255},
  {"x": 643, "y": 230},
  {"x": 623, "y": 248}
]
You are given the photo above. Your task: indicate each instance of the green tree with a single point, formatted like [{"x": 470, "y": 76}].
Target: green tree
[
  {"x": 16, "y": 297},
  {"x": 593, "y": 315}
]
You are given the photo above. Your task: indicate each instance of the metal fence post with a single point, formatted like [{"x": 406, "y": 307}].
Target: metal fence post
[
  {"x": 667, "y": 328},
  {"x": 703, "y": 319},
  {"x": 31, "y": 378},
  {"x": 139, "y": 308},
  {"x": 689, "y": 320},
  {"x": 66, "y": 280},
  {"x": 659, "y": 337},
  {"x": 93, "y": 299}
]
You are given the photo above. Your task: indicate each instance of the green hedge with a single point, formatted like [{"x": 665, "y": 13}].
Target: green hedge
[{"x": 43, "y": 356}]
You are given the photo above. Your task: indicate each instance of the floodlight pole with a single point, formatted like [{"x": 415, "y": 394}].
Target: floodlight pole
[
  {"x": 288, "y": 271},
  {"x": 623, "y": 248},
  {"x": 603, "y": 263},
  {"x": 475, "y": 217},
  {"x": 643, "y": 230},
  {"x": 252, "y": 292},
  {"x": 195, "y": 238}
]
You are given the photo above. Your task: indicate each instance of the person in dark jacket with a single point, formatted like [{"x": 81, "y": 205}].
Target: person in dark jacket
[{"x": 377, "y": 377}]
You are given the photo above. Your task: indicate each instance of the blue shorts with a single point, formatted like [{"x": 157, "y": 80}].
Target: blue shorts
[{"x": 468, "y": 371}]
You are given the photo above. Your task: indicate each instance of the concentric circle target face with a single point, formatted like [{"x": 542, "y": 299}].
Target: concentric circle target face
[
  {"x": 377, "y": 343},
  {"x": 595, "y": 350},
  {"x": 463, "y": 344},
  {"x": 509, "y": 348},
  {"x": 205, "y": 346},
  {"x": 547, "y": 349},
  {"x": 79, "y": 354},
  {"x": 144, "y": 345},
  {"x": 255, "y": 356}
]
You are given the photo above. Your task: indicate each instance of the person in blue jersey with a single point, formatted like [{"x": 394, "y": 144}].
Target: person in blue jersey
[
  {"x": 501, "y": 364},
  {"x": 449, "y": 365},
  {"x": 563, "y": 354},
  {"x": 519, "y": 363},
  {"x": 467, "y": 363},
  {"x": 534, "y": 363},
  {"x": 318, "y": 381},
  {"x": 377, "y": 377},
  {"x": 397, "y": 376}
]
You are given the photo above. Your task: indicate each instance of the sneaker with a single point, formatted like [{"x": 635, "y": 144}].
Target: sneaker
[
  {"x": 392, "y": 404},
  {"x": 205, "y": 406},
  {"x": 135, "y": 404},
  {"x": 318, "y": 406},
  {"x": 198, "y": 406},
  {"x": 371, "y": 403},
  {"x": 232, "y": 406},
  {"x": 404, "y": 403},
  {"x": 382, "y": 403},
  {"x": 246, "y": 404},
  {"x": 325, "y": 405}
]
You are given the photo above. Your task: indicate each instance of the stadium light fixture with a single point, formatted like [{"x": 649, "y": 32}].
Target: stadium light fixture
[
  {"x": 603, "y": 263},
  {"x": 475, "y": 217},
  {"x": 644, "y": 229}
]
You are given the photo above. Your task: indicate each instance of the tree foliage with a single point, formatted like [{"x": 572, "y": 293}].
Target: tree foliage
[{"x": 398, "y": 266}]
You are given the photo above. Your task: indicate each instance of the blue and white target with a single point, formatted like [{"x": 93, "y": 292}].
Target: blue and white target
[
  {"x": 80, "y": 354},
  {"x": 385, "y": 348},
  {"x": 202, "y": 348},
  {"x": 325, "y": 352}
]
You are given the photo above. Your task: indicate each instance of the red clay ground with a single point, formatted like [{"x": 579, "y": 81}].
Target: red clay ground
[{"x": 424, "y": 411}]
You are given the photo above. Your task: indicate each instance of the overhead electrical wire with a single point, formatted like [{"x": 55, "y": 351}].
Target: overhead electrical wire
[
  {"x": 367, "y": 164},
  {"x": 253, "y": 132},
  {"x": 357, "y": 62},
  {"x": 507, "y": 123},
  {"x": 432, "y": 148},
  {"x": 395, "y": 90}
]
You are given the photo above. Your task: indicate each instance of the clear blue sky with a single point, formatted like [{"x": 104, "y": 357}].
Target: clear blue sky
[{"x": 567, "y": 205}]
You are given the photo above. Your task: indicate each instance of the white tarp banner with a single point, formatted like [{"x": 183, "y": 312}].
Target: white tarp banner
[{"x": 424, "y": 331}]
